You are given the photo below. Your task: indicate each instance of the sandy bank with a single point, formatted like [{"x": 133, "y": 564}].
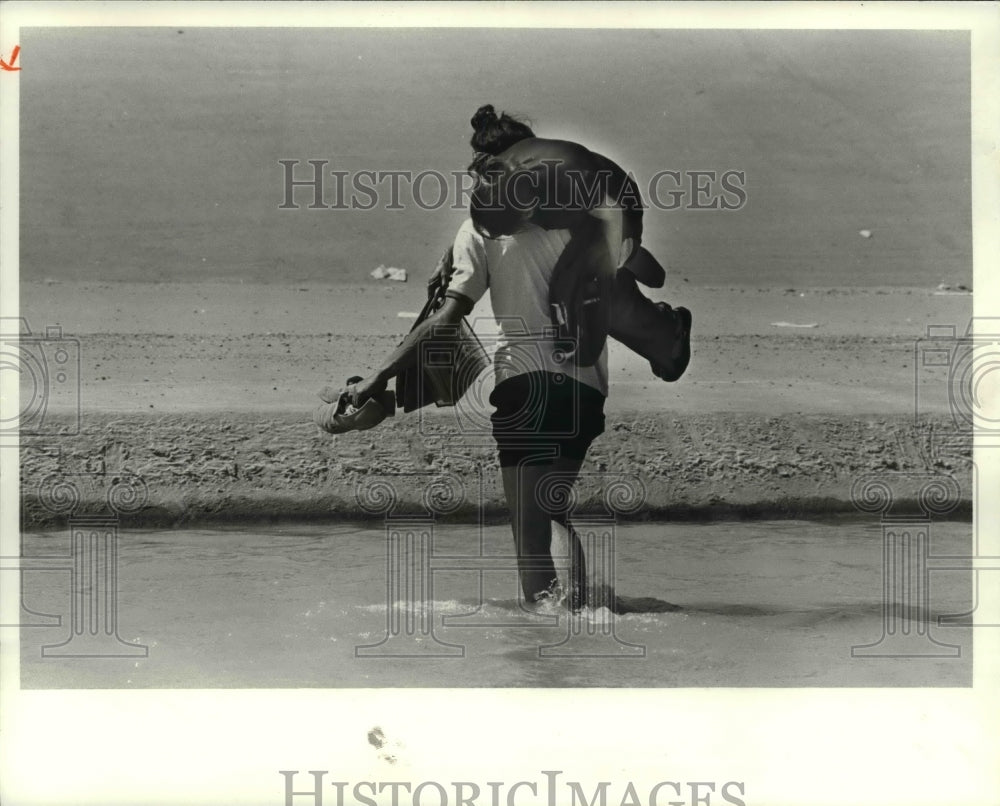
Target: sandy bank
[
  {"x": 237, "y": 467},
  {"x": 205, "y": 391}
]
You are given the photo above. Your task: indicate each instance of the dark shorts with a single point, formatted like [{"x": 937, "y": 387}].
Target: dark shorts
[{"x": 542, "y": 415}]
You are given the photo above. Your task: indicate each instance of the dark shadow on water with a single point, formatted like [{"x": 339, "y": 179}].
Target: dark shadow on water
[
  {"x": 644, "y": 604},
  {"x": 830, "y": 612},
  {"x": 826, "y": 613}
]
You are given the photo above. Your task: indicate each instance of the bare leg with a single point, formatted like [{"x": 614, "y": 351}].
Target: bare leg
[
  {"x": 567, "y": 467},
  {"x": 531, "y": 516}
]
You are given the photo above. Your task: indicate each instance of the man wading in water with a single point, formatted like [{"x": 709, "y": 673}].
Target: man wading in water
[{"x": 554, "y": 235}]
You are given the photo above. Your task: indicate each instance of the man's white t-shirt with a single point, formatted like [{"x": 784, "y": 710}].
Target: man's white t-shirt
[{"x": 517, "y": 269}]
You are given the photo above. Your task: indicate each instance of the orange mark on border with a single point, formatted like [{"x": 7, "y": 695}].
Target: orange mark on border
[{"x": 9, "y": 66}]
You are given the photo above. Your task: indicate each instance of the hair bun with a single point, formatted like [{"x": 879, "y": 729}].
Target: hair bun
[{"x": 484, "y": 116}]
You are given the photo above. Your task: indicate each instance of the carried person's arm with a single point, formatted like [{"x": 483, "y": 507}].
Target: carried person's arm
[
  {"x": 621, "y": 218},
  {"x": 621, "y": 210}
]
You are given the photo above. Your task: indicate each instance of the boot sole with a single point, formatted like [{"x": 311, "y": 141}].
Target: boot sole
[{"x": 684, "y": 358}]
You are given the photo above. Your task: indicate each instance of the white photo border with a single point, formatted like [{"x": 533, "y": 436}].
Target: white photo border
[{"x": 789, "y": 746}]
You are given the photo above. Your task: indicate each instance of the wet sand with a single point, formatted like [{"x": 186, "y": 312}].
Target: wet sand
[{"x": 206, "y": 392}]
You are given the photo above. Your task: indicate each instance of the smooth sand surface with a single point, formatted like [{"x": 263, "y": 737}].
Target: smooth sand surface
[
  {"x": 168, "y": 348},
  {"x": 154, "y": 154}
]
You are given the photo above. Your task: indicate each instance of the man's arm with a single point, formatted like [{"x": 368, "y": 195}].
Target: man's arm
[{"x": 406, "y": 354}]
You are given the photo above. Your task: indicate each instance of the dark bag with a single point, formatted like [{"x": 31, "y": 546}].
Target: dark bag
[{"x": 450, "y": 361}]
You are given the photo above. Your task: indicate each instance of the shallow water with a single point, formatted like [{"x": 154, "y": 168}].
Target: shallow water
[{"x": 762, "y": 604}]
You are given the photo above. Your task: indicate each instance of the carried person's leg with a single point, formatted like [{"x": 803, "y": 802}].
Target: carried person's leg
[{"x": 654, "y": 330}]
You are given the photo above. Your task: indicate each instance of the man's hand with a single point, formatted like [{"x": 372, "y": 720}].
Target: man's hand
[
  {"x": 404, "y": 356},
  {"x": 364, "y": 389},
  {"x": 358, "y": 390}
]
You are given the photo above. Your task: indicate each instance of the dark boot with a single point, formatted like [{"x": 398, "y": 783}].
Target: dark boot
[{"x": 654, "y": 330}]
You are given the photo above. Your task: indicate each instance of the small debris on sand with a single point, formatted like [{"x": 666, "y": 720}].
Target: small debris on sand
[
  {"x": 793, "y": 324},
  {"x": 382, "y": 272},
  {"x": 945, "y": 289},
  {"x": 865, "y": 233}
]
